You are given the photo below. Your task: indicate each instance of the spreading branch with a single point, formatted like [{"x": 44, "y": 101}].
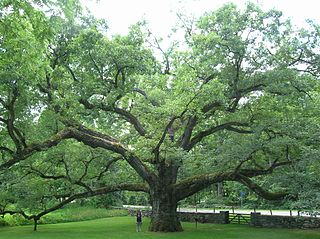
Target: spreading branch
[
  {"x": 19, "y": 143},
  {"x": 239, "y": 93},
  {"x": 127, "y": 116},
  {"x": 2, "y": 148},
  {"x": 156, "y": 150},
  {"x": 188, "y": 131},
  {"x": 157, "y": 45},
  {"x": 37, "y": 147},
  {"x": 107, "y": 167},
  {"x": 100, "y": 71},
  {"x": 260, "y": 191},
  {"x": 190, "y": 186},
  {"x": 231, "y": 126},
  {"x": 95, "y": 139},
  {"x": 86, "y": 194}
]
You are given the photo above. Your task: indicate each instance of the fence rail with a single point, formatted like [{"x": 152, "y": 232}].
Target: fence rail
[{"x": 239, "y": 218}]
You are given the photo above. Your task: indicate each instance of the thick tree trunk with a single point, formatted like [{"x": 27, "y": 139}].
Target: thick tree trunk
[{"x": 164, "y": 217}]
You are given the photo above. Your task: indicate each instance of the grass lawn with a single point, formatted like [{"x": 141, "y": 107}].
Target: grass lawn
[{"x": 124, "y": 228}]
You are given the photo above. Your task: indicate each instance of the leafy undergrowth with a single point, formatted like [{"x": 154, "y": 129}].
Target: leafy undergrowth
[
  {"x": 69, "y": 214},
  {"x": 124, "y": 228}
]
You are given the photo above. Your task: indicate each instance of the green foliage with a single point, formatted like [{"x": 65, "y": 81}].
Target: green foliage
[
  {"x": 245, "y": 86},
  {"x": 72, "y": 213},
  {"x": 75, "y": 214}
]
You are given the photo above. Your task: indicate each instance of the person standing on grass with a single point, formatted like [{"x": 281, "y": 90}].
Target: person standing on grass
[{"x": 139, "y": 220}]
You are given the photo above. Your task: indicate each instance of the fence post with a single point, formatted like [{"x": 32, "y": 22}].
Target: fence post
[
  {"x": 254, "y": 218},
  {"x": 225, "y": 217},
  {"x": 271, "y": 212}
]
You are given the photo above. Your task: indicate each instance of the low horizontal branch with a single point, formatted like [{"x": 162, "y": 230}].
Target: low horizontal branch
[
  {"x": 260, "y": 191},
  {"x": 37, "y": 147},
  {"x": 191, "y": 185},
  {"x": 86, "y": 194}
]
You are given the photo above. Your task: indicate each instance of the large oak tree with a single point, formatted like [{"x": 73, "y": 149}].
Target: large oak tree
[{"x": 226, "y": 108}]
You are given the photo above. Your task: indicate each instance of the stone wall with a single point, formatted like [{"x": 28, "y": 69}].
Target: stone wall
[
  {"x": 218, "y": 218},
  {"x": 258, "y": 220},
  {"x": 145, "y": 213}
]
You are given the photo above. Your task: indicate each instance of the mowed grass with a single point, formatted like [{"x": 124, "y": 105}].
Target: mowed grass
[
  {"x": 67, "y": 214},
  {"x": 124, "y": 228}
]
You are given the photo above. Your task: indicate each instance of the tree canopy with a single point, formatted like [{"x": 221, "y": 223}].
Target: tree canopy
[{"x": 86, "y": 114}]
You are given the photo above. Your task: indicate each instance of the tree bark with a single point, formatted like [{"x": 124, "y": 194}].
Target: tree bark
[{"x": 164, "y": 217}]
